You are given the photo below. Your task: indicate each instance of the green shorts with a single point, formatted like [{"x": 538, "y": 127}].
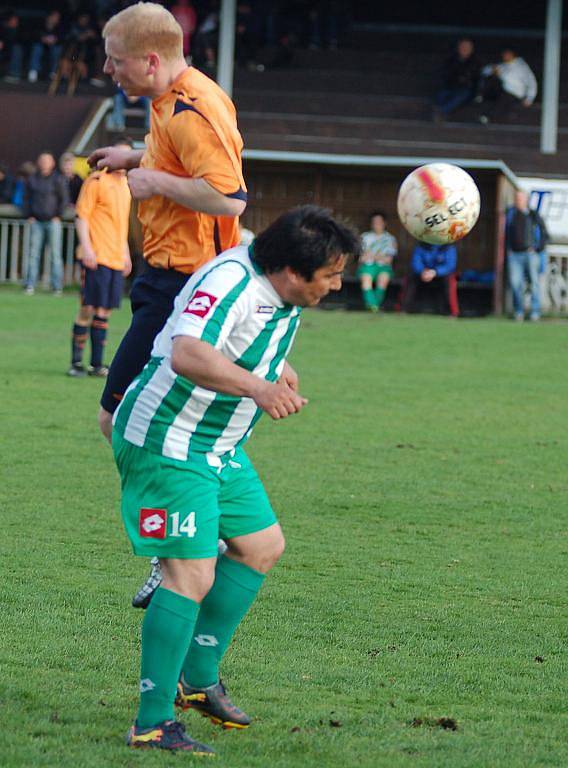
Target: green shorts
[
  {"x": 180, "y": 509},
  {"x": 374, "y": 270}
]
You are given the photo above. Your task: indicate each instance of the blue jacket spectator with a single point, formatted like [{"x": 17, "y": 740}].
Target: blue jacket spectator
[
  {"x": 433, "y": 266},
  {"x": 442, "y": 259}
]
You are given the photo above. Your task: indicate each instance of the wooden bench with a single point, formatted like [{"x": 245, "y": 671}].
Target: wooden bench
[{"x": 475, "y": 299}]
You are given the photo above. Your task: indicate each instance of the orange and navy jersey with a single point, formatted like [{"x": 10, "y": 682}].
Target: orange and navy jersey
[
  {"x": 193, "y": 133},
  {"x": 104, "y": 203}
]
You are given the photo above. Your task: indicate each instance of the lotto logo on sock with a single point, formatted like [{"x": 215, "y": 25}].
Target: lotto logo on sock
[
  {"x": 208, "y": 641},
  {"x": 200, "y": 304},
  {"x": 153, "y": 523}
]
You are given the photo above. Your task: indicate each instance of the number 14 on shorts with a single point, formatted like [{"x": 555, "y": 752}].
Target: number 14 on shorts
[{"x": 154, "y": 524}]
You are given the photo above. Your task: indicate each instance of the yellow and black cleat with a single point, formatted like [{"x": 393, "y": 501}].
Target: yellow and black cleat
[
  {"x": 167, "y": 735},
  {"x": 212, "y": 702}
]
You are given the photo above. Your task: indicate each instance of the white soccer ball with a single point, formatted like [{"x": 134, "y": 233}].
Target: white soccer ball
[{"x": 438, "y": 203}]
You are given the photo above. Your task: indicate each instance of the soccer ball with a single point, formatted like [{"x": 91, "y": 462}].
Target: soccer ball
[{"x": 438, "y": 203}]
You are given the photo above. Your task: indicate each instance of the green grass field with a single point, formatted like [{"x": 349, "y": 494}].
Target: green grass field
[{"x": 423, "y": 495}]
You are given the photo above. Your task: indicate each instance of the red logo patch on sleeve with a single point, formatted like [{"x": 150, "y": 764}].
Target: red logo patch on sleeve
[
  {"x": 200, "y": 304},
  {"x": 153, "y": 523}
]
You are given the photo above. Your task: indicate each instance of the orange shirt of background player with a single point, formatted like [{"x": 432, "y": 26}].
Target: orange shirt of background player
[
  {"x": 104, "y": 203},
  {"x": 193, "y": 134}
]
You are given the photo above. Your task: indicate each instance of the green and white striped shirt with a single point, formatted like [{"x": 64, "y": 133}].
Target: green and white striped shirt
[
  {"x": 378, "y": 249},
  {"x": 231, "y": 305}
]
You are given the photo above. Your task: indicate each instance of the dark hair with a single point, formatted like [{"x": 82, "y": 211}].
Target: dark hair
[
  {"x": 382, "y": 214},
  {"x": 305, "y": 239}
]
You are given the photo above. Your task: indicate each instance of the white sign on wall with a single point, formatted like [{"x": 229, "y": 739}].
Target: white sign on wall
[{"x": 550, "y": 198}]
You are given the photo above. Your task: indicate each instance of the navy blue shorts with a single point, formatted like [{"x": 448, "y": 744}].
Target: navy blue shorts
[
  {"x": 101, "y": 287},
  {"x": 152, "y": 300}
]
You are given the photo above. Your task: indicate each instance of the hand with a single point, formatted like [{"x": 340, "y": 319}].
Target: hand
[
  {"x": 127, "y": 265},
  {"x": 89, "y": 259},
  {"x": 278, "y": 399},
  {"x": 56, "y": 218},
  {"x": 428, "y": 275},
  {"x": 111, "y": 158},
  {"x": 290, "y": 377},
  {"x": 142, "y": 183},
  {"x": 31, "y": 219},
  {"x": 527, "y": 103}
]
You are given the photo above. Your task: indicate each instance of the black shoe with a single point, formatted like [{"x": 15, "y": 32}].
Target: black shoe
[
  {"x": 213, "y": 702},
  {"x": 167, "y": 735},
  {"x": 77, "y": 371},
  {"x": 101, "y": 371},
  {"x": 142, "y": 598}
]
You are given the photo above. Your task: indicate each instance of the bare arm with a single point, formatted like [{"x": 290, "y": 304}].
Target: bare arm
[
  {"x": 127, "y": 261},
  {"x": 207, "y": 367},
  {"x": 115, "y": 158},
  {"x": 88, "y": 255},
  {"x": 196, "y": 194}
]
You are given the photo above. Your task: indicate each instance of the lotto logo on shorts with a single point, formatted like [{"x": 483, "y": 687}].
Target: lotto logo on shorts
[
  {"x": 153, "y": 523},
  {"x": 200, "y": 304}
]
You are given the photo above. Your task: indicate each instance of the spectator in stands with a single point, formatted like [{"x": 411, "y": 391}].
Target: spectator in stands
[
  {"x": 324, "y": 20},
  {"x": 45, "y": 201},
  {"x": 507, "y": 85},
  {"x": 460, "y": 74},
  {"x": 378, "y": 249},
  {"x": 247, "y": 37},
  {"x": 526, "y": 239},
  {"x": 81, "y": 50},
  {"x": 279, "y": 41},
  {"x": 434, "y": 266},
  {"x": 25, "y": 170},
  {"x": 121, "y": 102},
  {"x": 72, "y": 179},
  {"x": 6, "y": 186},
  {"x": 12, "y": 46},
  {"x": 206, "y": 38},
  {"x": 48, "y": 41},
  {"x": 185, "y": 15}
]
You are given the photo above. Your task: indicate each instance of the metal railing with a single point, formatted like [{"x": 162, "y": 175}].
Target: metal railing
[{"x": 15, "y": 234}]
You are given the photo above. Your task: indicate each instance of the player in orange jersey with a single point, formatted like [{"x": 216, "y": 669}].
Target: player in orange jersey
[
  {"x": 188, "y": 180},
  {"x": 103, "y": 210}
]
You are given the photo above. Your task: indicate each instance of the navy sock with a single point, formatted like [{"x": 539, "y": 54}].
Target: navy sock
[
  {"x": 99, "y": 329},
  {"x": 78, "y": 341}
]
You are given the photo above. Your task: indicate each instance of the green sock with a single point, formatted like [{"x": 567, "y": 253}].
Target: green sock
[
  {"x": 380, "y": 295},
  {"x": 169, "y": 621},
  {"x": 235, "y": 588},
  {"x": 369, "y": 298}
]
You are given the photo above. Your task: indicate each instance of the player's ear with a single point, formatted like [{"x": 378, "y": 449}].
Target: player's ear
[
  {"x": 293, "y": 277},
  {"x": 153, "y": 63}
]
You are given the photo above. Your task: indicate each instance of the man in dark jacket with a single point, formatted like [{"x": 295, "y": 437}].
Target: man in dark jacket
[
  {"x": 45, "y": 199},
  {"x": 461, "y": 75},
  {"x": 526, "y": 238}
]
